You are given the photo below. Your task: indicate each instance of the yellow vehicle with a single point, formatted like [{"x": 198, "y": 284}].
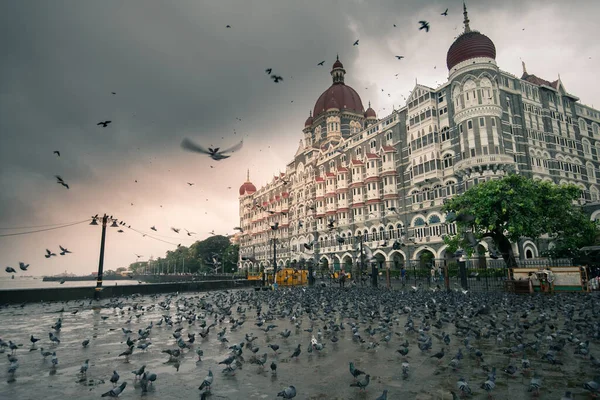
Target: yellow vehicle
[
  {"x": 336, "y": 275},
  {"x": 284, "y": 277}
]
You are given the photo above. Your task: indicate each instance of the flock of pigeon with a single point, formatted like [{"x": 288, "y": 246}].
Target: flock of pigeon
[{"x": 310, "y": 343}]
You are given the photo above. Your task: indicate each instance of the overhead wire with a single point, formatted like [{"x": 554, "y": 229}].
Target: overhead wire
[
  {"x": 39, "y": 226},
  {"x": 151, "y": 236},
  {"x": 44, "y": 230}
]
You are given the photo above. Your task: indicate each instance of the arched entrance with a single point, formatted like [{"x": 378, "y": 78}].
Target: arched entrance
[
  {"x": 426, "y": 259},
  {"x": 336, "y": 264},
  {"x": 528, "y": 254},
  {"x": 397, "y": 261},
  {"x": 347, "y": 262}
]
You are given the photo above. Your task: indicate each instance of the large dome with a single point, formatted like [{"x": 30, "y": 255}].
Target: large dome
[
  {"x": 247, "y": 187},
  {"x": 470, "y": 45},
  {"x": 346, "y": 98}
]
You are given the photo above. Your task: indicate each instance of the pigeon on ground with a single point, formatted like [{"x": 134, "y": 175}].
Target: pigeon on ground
[
  {"x": 207, "y": 382},
  {"x": 288, "y": 393},
  {"x": 116, "y": 391}
]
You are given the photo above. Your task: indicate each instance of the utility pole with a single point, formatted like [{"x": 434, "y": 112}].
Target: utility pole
[
  {"x": 101, "y": 262},
  {"x": 362, "y": 257},
  {"x": 274, "y": 258}
]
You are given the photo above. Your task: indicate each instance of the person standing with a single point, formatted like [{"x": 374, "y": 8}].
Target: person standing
[{"x": 403, "y": 275}]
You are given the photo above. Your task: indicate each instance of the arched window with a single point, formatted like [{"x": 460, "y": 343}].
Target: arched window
[
  {"x": 591, "y": 173},
  {"x": 448, "y": 160},
  {"x": 587, "y": 148},
  {"x": 419, "y": 222},
  {"x": 399, "y": 229},
  {"x": 582, "y": 126}
]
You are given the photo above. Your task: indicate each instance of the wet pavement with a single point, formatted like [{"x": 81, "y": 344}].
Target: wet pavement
[{"x": 316, "y": 375}]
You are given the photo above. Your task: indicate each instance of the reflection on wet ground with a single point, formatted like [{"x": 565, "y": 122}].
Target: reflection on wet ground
[{"x": 381, "y": 317}]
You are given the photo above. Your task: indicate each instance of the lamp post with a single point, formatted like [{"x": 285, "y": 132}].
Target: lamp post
[{"x": 105, "y": 219}]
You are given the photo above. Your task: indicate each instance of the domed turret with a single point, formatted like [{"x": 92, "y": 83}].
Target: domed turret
[
  {"x": 370, "y": 113},
  {"x": 247, "y": 187},
  {"x": 470, "y": 44},
  {"x": 309, "y": 120},
  {"x": 346, "y": 98}
]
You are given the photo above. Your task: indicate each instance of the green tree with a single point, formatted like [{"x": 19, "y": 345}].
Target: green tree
[{"x": 514, "y": 207}]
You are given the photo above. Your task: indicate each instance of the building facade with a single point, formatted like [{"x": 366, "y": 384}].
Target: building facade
[{"x": 357, "y": 178}]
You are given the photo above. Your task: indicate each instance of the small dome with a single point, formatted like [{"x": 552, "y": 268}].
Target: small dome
[
  {"x": 247, "y": 188},
  {"x": 332, "y": 104},
  {"x": 370, "y": 113},
  {"x": 309, "y": 121},
  {"x": 337, "y": 64}
]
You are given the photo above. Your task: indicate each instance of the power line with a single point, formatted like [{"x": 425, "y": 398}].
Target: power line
[
  {"x": 44, "y": 230},
  {"x": 152, "y": 237},
  {"x": 39, "y": 226}
]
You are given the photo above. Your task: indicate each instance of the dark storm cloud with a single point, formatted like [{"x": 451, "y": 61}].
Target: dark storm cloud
[{"x": 177, "y": 71}]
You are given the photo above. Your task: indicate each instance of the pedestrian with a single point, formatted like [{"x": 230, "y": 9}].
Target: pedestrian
[
  {"x": 432, "y": 275},
  {"x": 403, "y": 275},
  {"x": 342, "y": 279}
]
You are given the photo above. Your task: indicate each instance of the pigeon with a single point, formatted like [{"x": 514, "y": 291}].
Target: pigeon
[
  {"x": 228, "y": 26},
  {"x": 23, "y": 266},
  {"x": 207, "y": 382},
  {"x": 49, "y": 254},
  {"x": 383, "y": 395},
  {"x": 356, "y": 43},
  {"x": 63, "y": 251},
  {"x": 84, "y": 367},
  {"x": 56, "y": 152},
  {"x": 445, "y": 13},
  {"x": 214, "y": 153},
  {"x": 399, "y": 57},
  {"x": 116, "y": 391},
  {"x": 103, "y": 123},
  {"x": 288, "y": 393},
  {"x": 354, "y": 371},
  {"x": 424, "y": 25},
  {"x": 321, "y": 63},
  {"x": 10, "y": 270},
  {"x": 114, "y": 378},
  {"x": 190, "y": 183},
  {"x": 276, "y": 78},
  {"x": 268, "y": 71},
  {"x": 273, "y": 367},
  {"x": 60, "y": 181},
  {"x": 362, "y": 385}
]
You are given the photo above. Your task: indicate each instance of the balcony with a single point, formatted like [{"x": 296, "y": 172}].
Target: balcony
[
  {"x": 372, "y": 173},
  {"x": 388, "y": 166},
  {"x": 320, "y": 192},
  {"x": 491, "y": 162},
  {"x": 373, "y": 194},
  {"x": 358, "y": 198},
  {"x": 342, "y": 184},
  {"x": 358, "y": 178},
  {"x": 342, "y": 203}
]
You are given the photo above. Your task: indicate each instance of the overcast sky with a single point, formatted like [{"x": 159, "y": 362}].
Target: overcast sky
[{"x": 179, "y": 72}]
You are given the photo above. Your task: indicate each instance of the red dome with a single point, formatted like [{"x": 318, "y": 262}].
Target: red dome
[
  {"x": 309, "y": 121},
  {"x": 470, "y": 45},
  {"x": 332, "y": 104},
  {"x": 337, "y": 64},
  {"x": 370, "y": 113},
  {"x": 247, "y": 188},
  {"x": 346, "y": 98}
]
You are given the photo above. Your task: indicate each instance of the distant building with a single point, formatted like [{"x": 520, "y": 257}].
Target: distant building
[{"x": 385, "y": 179}]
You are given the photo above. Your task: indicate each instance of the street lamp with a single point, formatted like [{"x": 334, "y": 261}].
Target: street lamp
[{"x": 105, "y": 219}]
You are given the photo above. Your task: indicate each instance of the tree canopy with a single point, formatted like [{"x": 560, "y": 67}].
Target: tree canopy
[
  {"x": 202, "y": 256},
  {"x": 505, "y": 210}
]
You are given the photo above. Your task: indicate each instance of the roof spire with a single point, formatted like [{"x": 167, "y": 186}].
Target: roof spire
[
  {"x": 248, "y": 175},
  {"x": 466, "y": 21},
  {"x": 524, "y": 68},
  {"x": 337, "y": 57}
]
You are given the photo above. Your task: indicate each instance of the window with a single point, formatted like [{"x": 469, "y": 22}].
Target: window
[
  {"x": 448, "y": 160},
  {"x": 460, "y": 128},
  {"x": 472, "y": 152},
  {"x": 481, "y": 121},
  {"x": 469, "y": 124},
  {"x": 485, "y": 150},
  {"x": 388, "y": 136},
  {"x": 494, "y": 122},
  {"x": 373, "y": 144}
]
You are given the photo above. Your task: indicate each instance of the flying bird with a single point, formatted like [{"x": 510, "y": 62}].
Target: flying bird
[
  {"x": 424, "y": 25},
  {"x": 63, "y": 251},
  {"x": 175, "y": 230},
  {"x": 191, "y": 183},
  {"x": 228, "y": 26},
  {"x": 190, "y": 233},
  {"x": 268, "y": 71},
  {"x": 56, "y": 152},
  {"x": 49, "y": 254},
  {"x": 104, "y": 123},
  {"x": 153, "y": 228},
  {"x": 23, "y": 266},
  {"x": 61, "y": 181},
  {"x": 113, "y": 92},
  {"x": 399, "y": 57},
  {"x": 445, "y": 13},
  {"x": 214, "y": 153},
  {"x": 321, "y": 63},
  {"x": 276, "y": 78},
  {"x": 10, "y": 270}
]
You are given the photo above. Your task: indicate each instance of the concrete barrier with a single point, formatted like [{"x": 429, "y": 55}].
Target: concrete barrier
[{"x": 12, "y": 296}]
